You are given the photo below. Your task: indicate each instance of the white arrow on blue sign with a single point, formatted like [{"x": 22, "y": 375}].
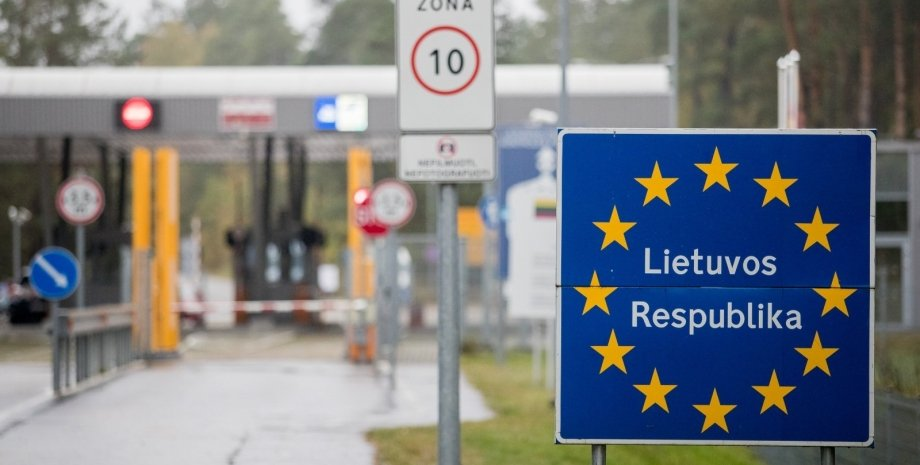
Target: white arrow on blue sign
[{"x": 54, "y": 273}]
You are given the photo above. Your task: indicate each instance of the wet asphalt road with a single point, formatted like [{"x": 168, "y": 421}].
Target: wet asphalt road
[{"x": 289, "y": 399}]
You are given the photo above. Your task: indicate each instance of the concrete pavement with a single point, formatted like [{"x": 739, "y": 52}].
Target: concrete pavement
[{"x": 231, "y": 412}]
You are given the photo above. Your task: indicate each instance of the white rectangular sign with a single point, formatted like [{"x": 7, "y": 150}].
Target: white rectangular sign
[
  {"x": 447, "y": 158},
  {"x": 446, "y": 65},
  {"x": 242, "y": 114}
]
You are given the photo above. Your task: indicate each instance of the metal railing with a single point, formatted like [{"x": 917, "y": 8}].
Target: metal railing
[
  {"x": 89, "y": 345},
  {"x": 897, "y": 438}
]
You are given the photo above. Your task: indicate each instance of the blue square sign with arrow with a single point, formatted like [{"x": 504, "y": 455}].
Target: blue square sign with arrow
[{"x": 716, "y": 287}]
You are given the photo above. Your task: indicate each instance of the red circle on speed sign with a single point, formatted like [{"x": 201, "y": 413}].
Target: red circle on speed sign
[
  {"x": 80, "y": 200},
  {"x": 136, "y": 113},
  {"x": 447, "y": 33}
]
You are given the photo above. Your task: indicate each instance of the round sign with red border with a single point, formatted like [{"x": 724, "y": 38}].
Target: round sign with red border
[
  {"x": 80, "y": 200},
  {"x": 452, "y": 60},
  {"x": 393, "y": 202}
]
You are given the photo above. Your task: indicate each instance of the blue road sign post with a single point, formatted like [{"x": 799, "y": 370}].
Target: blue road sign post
[
  {"x": 54, "y": 273},
  {"x": 716, "y": 287}
]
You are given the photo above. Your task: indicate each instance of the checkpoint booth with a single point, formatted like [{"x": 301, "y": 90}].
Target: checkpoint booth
[{"x": 59, "y": 120}]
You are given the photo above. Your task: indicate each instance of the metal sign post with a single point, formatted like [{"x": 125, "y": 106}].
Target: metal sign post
[
  {"x": 448, "y": 329},
  {"x": 392, "y": 204},
  {"x": 828, "y": 456},
  {"x": 55, "y": 274},
  {"x": 787, "y": 71},
  {"x": 18, "y": 216},
  {"x": 81, "y": 259},
  {"x": 598, "y": 454},
  {"x": 446, "y": 86},
  {"x": 391, "y": 310}
]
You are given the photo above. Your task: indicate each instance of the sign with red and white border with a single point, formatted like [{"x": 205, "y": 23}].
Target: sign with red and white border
[
  {"x": 80, "y": 200},
  {"x": 393, "y": 202},
  {"x": 446, "y": 65}
]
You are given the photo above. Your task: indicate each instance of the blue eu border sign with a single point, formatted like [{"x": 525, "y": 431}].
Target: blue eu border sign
[{"x": 716, "y": 287}]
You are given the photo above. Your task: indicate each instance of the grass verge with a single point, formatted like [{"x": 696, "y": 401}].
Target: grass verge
[
  {"x": 522, "y": 430},
  {"x": 897, "y": 363}
]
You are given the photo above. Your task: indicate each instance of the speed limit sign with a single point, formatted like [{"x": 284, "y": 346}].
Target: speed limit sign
[
  {"x": 393, "y": 202},
  {"x": 446, "y": 65},
  {"x": 80, "y": 200}
]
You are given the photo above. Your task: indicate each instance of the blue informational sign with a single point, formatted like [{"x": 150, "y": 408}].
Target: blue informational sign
[
  {"x": 343, "y": 113},
  {"x": 716, "y": 287},
  {"x": 54, "y": 273},
  {"x": 324, "y": 114}
]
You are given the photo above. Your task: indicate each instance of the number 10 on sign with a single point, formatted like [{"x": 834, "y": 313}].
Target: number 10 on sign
[{"x": 446, "y": 72}]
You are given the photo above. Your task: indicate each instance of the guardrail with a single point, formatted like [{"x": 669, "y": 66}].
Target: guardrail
[
  {"x": 89, "y": 344},
  {"x": 897, "y": 438}
]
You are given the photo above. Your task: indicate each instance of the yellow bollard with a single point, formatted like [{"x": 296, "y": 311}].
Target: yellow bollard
[
  {"x": 362, "y": 332},
  {"x": 140, "y": 248},
  {"x": 360, "y": 175},
  {"x": 165, "y": 322}
]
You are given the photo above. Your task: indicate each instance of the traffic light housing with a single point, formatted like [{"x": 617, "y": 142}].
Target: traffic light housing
[{"x": 137, "y": 114}]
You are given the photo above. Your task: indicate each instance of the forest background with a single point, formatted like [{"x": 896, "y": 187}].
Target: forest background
[{"x": 860, "y": 68}]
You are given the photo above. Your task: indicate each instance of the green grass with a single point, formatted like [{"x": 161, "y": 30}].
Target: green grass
[
  {"x": 522, "y": 430},
  {"x": 897, "y": 363}
]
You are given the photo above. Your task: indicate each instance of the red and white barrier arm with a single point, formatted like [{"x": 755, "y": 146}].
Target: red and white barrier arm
[{"x": 269, "y": 306}]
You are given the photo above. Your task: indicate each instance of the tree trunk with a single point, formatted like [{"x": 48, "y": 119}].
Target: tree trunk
[
  {"x": 900, "y": 79},
  {"x": 864, "y": 106},
  {"x": 840, "y": 88},
  {"x": 916, "y": 76},
  {"x": 726, "y": 81},
  {"x": 812, "y": 82},
  {"x": 792, "y": 37}
]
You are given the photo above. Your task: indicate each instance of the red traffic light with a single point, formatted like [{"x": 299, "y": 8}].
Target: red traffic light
[{"x": 137, "y": 113}]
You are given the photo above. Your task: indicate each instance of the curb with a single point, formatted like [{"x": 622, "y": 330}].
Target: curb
[{"x": 19, "y": 413}]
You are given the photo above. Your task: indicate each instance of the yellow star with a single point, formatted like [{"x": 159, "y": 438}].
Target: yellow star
[
  {"x": 817, "y": 231},
  {"x": 656, "y": 186},
  {"x": 816, "y": 356},
  {"x": 716, "y": 171},
  {"x": 614, "y": 230},
  {"x": 715, "y": 412},
  {"x": 835, "y": 297},
  {"x": 776, "y": 186},
  {"x": 613, "y": 353},
  {"x": 595, "y": 295},
  {"x": 773, "y": 394},
  {"x": 655, "y": 392}
]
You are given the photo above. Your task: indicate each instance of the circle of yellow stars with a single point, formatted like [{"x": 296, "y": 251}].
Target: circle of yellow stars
[{"x": 774, "y": 393}]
